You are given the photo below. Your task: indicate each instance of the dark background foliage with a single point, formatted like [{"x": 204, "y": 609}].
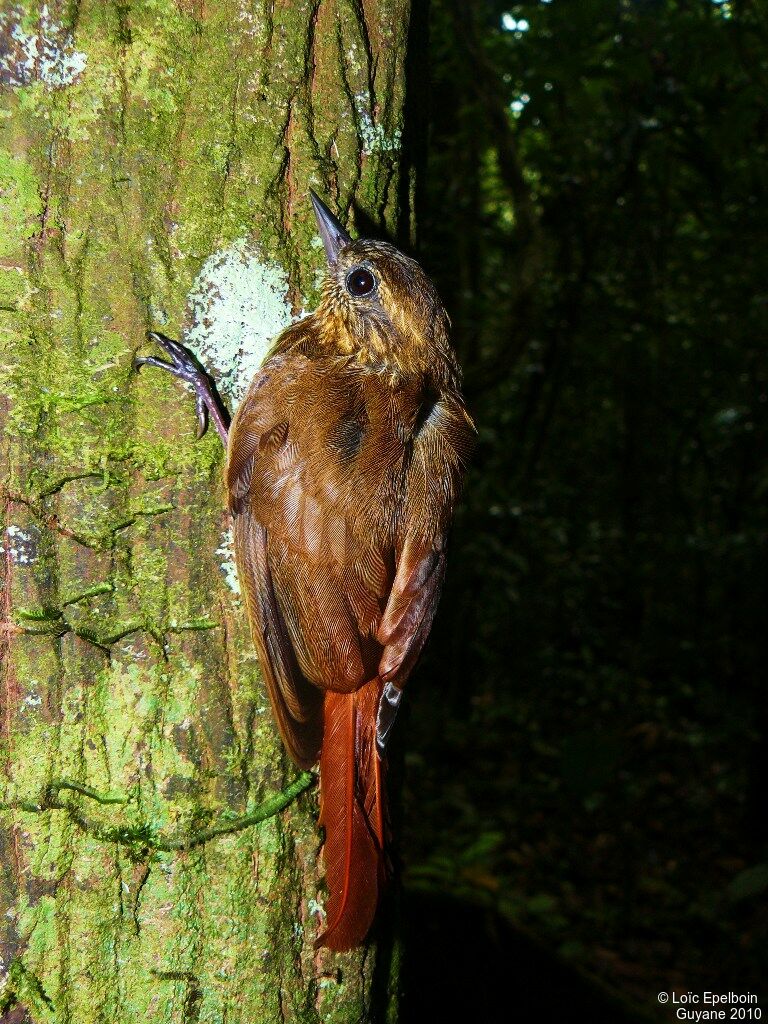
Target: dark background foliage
[{"x": 585, "y": 751}]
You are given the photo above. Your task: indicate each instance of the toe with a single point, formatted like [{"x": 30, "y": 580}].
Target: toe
[{"x": 202, "y": 415}]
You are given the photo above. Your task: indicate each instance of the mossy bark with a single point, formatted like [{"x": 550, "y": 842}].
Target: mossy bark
[{"x": 144, "y": 872}]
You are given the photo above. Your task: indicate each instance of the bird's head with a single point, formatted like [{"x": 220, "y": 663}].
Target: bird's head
[{"x": 378, "y": 305}]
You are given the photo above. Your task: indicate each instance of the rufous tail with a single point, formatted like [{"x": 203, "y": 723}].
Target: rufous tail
[{"x": 352, "y": 811}]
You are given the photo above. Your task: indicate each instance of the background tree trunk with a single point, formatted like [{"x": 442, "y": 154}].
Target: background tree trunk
[{"x": 153, "y": 172}]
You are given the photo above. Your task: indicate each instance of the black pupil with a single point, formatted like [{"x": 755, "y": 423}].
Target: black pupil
[{"x": 360, "y": 282}]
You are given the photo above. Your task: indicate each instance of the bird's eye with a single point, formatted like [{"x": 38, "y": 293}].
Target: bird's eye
[{"x": 360, "y": 282}]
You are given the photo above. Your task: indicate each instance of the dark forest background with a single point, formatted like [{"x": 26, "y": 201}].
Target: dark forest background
[{"x": 585, "y": 756}]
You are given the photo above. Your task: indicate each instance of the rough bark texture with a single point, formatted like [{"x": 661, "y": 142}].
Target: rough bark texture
[{"x": 149, "y": 152}]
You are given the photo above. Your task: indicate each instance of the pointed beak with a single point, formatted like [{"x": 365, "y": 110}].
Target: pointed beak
[{"x": 332, "y": 233}]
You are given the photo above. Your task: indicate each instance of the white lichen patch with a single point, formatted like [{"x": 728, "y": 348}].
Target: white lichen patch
[
  {"x": 316, "y": 907},
  {"x": 131, "y": 651},
  {"x": 236, "y": 309},
  {"x": 38, "y": 51},
  {"x": 226, "y": 553},
  {"x": 373, "y": 136},
  {"x": 32, "y": 700},
  {"x": 20, "y": 546},
  {"x": 251, "y": 25}
]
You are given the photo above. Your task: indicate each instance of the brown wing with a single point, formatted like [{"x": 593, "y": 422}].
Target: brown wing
[
  {"x": 309, "y": 539},
  {"x": 411, "y": 608},
  {"x": 296, "y": 704},
  {"x": 442, "y": 445}
]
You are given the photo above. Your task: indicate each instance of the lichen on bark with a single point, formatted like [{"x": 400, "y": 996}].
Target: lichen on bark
[{"x": 138, "y": 140}]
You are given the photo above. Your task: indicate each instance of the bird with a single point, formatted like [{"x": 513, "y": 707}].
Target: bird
[{"x": 345, "y": 462}]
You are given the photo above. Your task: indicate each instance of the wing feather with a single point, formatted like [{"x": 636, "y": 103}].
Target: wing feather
[{"x": 297, "y": 705}]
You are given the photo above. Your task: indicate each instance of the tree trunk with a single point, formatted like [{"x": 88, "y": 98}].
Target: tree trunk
[{"x": 159, "y": 853}]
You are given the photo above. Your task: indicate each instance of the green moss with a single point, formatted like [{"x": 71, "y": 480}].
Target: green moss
[
  {"x": 20, "y": 986},
  {"x": 21, "y": 203}
]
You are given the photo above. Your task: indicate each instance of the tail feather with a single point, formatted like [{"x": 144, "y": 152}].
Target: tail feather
[{"x": 352, "y": 811}]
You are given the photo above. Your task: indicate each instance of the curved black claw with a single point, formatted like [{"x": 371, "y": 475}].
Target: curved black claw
[
  {"x": 202, "y": 415},
  {"x": 187, "y": 368}
]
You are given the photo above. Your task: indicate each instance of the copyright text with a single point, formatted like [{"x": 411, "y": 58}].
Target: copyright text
[{"x": 705, "y": 1006}]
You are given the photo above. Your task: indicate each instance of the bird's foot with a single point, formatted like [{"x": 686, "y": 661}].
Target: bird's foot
[{"x": 186, "y": 367}]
